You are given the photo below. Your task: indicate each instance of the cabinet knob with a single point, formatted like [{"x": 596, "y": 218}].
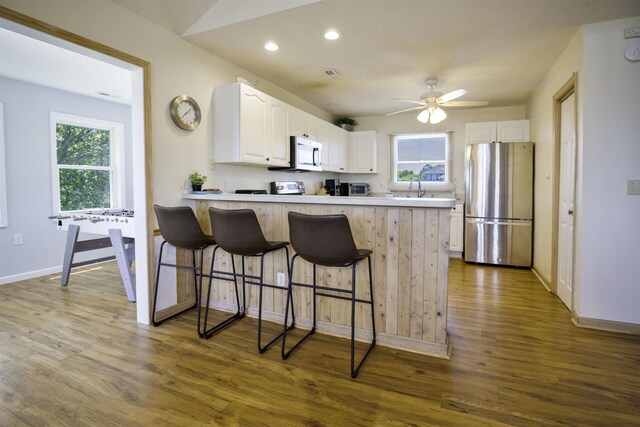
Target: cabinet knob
[
  {"x": 371, "y": 170},
  {"x": 570, "y": 212},
  {"x": 267, "y": 159}
]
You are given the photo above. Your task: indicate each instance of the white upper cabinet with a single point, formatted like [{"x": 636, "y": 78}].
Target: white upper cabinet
[
  {"x": 334, "y": 147},
  {"x": 303, "y": 124},
  {"x": 278, "y": 143},
  {"x": 363, "y": 152},
  {"x": 249, "y": 127},
  {"x": 505, "y": 131}
]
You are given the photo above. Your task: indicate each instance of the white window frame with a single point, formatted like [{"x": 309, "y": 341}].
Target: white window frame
[
  {"x": 4, "y": 220},
  {"x": 117, "y": 160},
  {"x": 446, "y": 185}
]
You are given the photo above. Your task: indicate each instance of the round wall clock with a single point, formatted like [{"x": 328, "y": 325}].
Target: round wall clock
[{"x": 185, "y": 112}]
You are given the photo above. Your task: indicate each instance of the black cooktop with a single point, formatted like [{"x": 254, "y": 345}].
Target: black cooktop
[{"x": 251, "y": 191}]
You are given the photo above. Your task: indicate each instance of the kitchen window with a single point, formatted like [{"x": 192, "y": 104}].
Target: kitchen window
[
  {"x": 421, "y": 156},
  {"x": 87, "y": 163}
]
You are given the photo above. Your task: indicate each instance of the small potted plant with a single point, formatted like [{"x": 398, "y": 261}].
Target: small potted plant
[
  {"x": 346, "y": 123},
  {"x": 197, "y": 180}
]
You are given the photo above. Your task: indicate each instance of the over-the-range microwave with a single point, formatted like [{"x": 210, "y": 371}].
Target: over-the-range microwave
[{"x": 306, "y": 155}]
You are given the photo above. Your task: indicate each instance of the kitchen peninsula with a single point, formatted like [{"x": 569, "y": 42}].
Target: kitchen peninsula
[{"x": 409, "y": 238}]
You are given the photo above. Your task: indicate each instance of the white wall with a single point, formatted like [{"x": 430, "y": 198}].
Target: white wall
[
  {"x": 387, "y": 126},
  {"x": 607, "y": 273},
  {"x": 28, "y": 160},
  {"x": 540, "y": 112},
  {"x": 607, "y": 230}
]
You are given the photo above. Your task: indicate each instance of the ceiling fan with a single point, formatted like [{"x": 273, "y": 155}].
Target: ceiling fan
[{"x": 431, "y": 102}]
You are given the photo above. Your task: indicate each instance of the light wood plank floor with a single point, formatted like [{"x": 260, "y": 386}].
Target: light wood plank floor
[{"x": 76, "y": 356}]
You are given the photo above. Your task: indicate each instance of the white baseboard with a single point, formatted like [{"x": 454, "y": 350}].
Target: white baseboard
[
  {"x": 30, "y": 275},
  {"x": 542, "y": 280}
]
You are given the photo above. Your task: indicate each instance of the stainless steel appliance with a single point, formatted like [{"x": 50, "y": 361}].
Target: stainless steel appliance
[
  {"x": 499, "y": 203},
  {"x": 306, "y": 155},
  {"x": 287, "y": 187},
  {"x": 333, "y": 187},
  {"x": 357, "y": 189}
]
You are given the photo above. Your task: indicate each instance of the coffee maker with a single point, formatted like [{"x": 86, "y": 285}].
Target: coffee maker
[{"x": 333, "y": 187}]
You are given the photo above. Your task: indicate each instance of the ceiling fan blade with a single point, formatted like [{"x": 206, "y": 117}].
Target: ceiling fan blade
[
  {"x": 452, "y": 95},
  {"x": 408, "y": 100},
  {"x": 464, "y": 104},
  {"x": 404, "y": 111}
]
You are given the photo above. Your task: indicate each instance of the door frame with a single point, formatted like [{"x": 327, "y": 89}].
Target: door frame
[
  {"x": 568, "y": 89},
  {"x": 143, "y": 294}
]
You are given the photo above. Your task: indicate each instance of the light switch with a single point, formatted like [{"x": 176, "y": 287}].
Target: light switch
[{"x": 633, "y": 187}]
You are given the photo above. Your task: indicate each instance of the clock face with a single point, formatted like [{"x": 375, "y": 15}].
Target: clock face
[{"x": 185, "y": 112}]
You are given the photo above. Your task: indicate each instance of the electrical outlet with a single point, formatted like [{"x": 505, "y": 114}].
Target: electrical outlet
[
  {"x": 280, "y": 277},
  {"x": 212, "y": 165},
  {"x": 225, "y": 184},
  {"x": 633, "y": 187},
  {"x": 632, "y": 32},
  {"x": 17, "y": 239}
]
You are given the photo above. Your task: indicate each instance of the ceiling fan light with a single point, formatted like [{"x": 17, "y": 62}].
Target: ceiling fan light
[
  {"x": 424, "y": 116},
  {"x": 438, "y": 115}
]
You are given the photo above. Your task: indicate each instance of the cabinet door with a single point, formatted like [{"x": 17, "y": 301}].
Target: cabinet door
[
  {"x": 456, "y": 230},
  {"x": 324, "y": 138},
  {"x": 311, "y": 126},
  {"x": 364, "y": 157},
  {"x": 296, "y": 122},
  {"x": 279, "y": 146},
  {"x": 339, "y": 149},
  {"x": 478, "y": 133},
  {"x": 514, "y": 131},
  {"x": 253, "y": 125}
]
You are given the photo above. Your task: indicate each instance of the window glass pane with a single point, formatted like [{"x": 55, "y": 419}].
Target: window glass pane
[
  {"x": 421, "y": 149},
  {"x": 424, "y": 171},
  {"x": 84, "y": 189},
  {"x": 82, "y": 146}
]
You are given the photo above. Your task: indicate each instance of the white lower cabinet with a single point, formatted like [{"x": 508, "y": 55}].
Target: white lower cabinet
[{"x": 456, "y": 230}]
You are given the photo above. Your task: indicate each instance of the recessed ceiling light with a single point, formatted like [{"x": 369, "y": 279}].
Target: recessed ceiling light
[
  {"x": 271, "y": 46},
  {"x": 332, "y": 35}
]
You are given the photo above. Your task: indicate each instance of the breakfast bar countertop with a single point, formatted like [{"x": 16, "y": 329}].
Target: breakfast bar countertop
[{"x": 408, "y": 202}]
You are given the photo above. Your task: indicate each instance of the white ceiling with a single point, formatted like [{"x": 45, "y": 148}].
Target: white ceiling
[
  {"x": 499, "y": 50},
  {"x": 34, "y": 61}
]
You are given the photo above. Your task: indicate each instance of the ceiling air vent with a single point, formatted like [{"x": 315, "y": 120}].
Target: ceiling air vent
[{"x": 332, "y": 74}]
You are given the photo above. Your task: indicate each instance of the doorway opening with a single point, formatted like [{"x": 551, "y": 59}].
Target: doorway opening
[{"x": 140, "y": 131}]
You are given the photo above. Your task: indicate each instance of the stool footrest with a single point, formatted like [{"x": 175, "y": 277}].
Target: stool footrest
[
  {"x": 285, "y": 354},
  {"x": 222, "y": 325}
]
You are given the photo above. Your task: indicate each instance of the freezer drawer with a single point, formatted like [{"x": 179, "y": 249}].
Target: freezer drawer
[{"x": 502, "y": 242}]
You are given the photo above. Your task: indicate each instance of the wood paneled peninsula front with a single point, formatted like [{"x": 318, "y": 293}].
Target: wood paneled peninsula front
[{"x": 410, "y": 242}]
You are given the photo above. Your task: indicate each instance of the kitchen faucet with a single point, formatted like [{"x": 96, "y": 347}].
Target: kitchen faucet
[{"x": 420, "y": 192}]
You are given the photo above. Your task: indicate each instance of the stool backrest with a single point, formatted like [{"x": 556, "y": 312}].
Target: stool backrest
[
  {"x": 179, "y": 227},
  {"x": 237, "y": 231},
  {"x": 322, "y": 239}
]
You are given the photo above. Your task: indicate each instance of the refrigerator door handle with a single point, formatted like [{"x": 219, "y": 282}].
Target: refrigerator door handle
[{"x": 515, "y": 222}]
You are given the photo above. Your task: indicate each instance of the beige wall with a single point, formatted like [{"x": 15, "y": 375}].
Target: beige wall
[
  {"x": 540, "y": 112},
  {"x": 177, "y": 67},
  {"x": 609, "y": 227},
  {"x": 607, "y": 230}
]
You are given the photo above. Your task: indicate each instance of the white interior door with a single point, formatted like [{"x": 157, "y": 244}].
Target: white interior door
[{"x": 564, "y": 280}]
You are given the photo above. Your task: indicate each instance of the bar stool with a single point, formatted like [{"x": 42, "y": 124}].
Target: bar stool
[
  {"x": 326, "y": 240},
  {"x": 179, "y": 227},
  {"x": 238, "y": 232}
]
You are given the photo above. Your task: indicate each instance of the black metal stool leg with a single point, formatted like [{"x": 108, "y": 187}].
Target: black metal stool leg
[
  {"x": 285, "y": 354},
  {"x": 208, "y": 333},
  {"x": 353, "y": 318},
  {"x": 354, "y": 372},
  {"x": 155, "y": 290}
]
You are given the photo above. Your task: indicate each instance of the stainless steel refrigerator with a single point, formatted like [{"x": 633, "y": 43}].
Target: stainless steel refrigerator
[{"x": 499, "y": 203}]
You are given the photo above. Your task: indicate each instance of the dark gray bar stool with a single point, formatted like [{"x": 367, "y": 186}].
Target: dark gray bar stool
[
  {"x": 327, "y": 240},
  {"x": 238, "y": 232},
  {"x": 179, "y": 227}
]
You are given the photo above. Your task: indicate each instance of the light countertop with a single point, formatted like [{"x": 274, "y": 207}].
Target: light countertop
[{"x": 424, "y": 202}]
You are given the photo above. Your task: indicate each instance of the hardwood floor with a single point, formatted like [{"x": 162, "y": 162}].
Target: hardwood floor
[{"x": 76, "y": 356}]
